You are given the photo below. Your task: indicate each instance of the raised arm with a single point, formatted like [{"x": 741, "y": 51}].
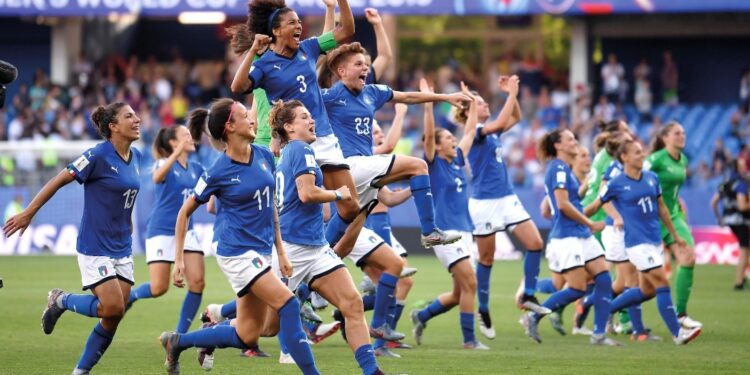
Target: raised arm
[
  {"x": 330, "y": 18},
  {"x": 345, "y": 29},
  {"x": 308, "y": 192},
  {"x": 385, "y": 53},
  {"x": 414, "y": 97},
  {"x": 470, "y": 129},
  {"x": 511, "y": 112},
  {"x": 21, "y": 221},
  {"x": 394, "y": 133},
  {"x": 428, "y": 137},
  {"x": 160, "y": 173},
  {"x": 241, "y": 82}
]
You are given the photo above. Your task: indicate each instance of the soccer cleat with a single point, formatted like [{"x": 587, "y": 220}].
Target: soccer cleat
[
  {"x": 80, "y": 371},
  {"x": 212, "y": 314},
  {"x": 418, "y": 327},
  {"x": 408, "y": 272},
  {"x": 385, "y": 352},
  {"x": 254, "y": 352},
  {"x": 583, "y": 331},
  {"x": 645, "y": 336},
  {"x": 555, "y": 320},
  {"x": 286, "y": 359},
  {"x": 367, "y": 286},
  {"x": 386, "y": 333},
  {"x": 531, "y": 326},
  {"x": 339, "y": 317},
  {"x": 397, "y": 345},
  {"x": 579, "y": 317},
  {"x": 741, "y": 286},
  {"x": 318, "y": 302},
  {"x": 206, "y": 358},
  {"x": 623, "y": 328},
  {"x": 308, "y": 313},
  {"x": 603, "y": 340},
  {"x": 322, "y": 331},
  {"x": 610, "y": 329},
  {"x": 53, "y": 311},
  {"x": 438, "y": 237},
  {"x": 485, "y": 325},
  {"x": 475, "y": 345},
  {"x": 688, "y": 322},
  {"x": 169, "y": 342},
  {"x": 686, "y": 335},
  {"x": 530, "y": 303}
]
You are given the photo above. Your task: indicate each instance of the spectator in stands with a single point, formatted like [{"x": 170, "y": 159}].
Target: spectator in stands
[
  {"x": 642, "y": 70},
  {"x": 739, "y": 122},
  {"x": 669, "y": 79},
  {"x": 720, "y": 154},
  {"x": 643, "y": 99},
  {"x": 613, "y": 79},
  {"x": 604, "y": 111},
  {"x": 745, "y": 87},
  {"x": 530, "y": 73},
  {"x": 744, "y": 153}
]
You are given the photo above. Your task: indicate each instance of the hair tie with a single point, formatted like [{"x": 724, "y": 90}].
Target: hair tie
[{"x": 271, "y": 19}]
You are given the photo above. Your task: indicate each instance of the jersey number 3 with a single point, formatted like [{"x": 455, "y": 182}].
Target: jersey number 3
[{"x": 303, "y": 85}]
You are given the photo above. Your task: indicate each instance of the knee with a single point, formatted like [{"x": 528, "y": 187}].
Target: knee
[
  {"x": 348, "y": 210},
  {"x": 535, "y": 244},
  {"x": 469, "y": 285},
  {"x": 395, "y": 268},
  {"x": 158, "y": 289},
  {"x": 406, "y": 283},
  {"x": 197, "y": 284},
  {"x": 352, "y": 306},
  {"x": 114, "y": 311},
  {"x": 487, "y": 256},
  {"x": 418, "y": 167}
]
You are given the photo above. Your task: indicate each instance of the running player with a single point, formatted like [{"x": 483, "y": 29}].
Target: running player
[
  {"x": 445, "y": 157},
  {"x": 571, "y": 250},
  {"x": 670, "y": 165},
  {"x": 174, "y": 177},
  {"x": 242, "y": 180},
  {"x": 299, "y": 199},
  {"x": 110, "y": 174},
  {"x": 735, "y": 213},
  {"x": 495, "y": 207},
  {"x": 637, "y": 196}
]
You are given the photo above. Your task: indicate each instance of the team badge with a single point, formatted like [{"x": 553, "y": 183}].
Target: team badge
[
  {"x": 257, "y": 262},
  {"x": 159, "y": 252},
  {"x": 103, "y": 271}
]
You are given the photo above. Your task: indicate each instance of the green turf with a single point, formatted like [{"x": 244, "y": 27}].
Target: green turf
[{"x": 722, "y": 348}]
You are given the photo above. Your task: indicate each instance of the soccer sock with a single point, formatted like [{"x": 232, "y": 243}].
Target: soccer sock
[
  {"x": 96, "y": 345},
  {"x": 629, "y": 297},
  {"x": 397, "y": 311},
  {"x": 368, "y": 301},
  {"x": 420, "y": 190},
  {"x": 229, "y": 309},
  {"x": 588, "y": 300},
  {"x": 303, "y": 292},
  {"x": 546, "y": 286},
  {"x": 294, "y": 337},
  {"x": 683, "y": 285},
  {"x": 218, "y": 336},
  {"x": 84, "y": 304},
  {"x": 531, "y": 271},
  {"x": 467, "y": 326},
  {"x": 379, "y": 224},
  {"x": 142, "y": 291},
  {"x": 429, "y": 312},
  {"x": 390, "y": 319},
  {"x": 365, "y": 357},
  {"x": 666, "y": 309},
  {"x": 637, "y": 318},
  {"x": 483, "y": 286},
  {"x": 384, "y": 298},
  {"x": 562, "y": 298},
  {"x": 189, "y": 307},
  {"x": 602, "y": 295},
  {"x": 336, "y": 229}
]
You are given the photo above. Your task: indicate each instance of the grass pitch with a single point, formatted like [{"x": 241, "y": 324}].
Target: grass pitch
[{"x": 722, "y": 348}]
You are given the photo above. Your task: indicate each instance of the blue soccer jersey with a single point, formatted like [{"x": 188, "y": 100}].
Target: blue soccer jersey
[
  {"x": 300, "y": 223},
  {"x": 451, "y": 195},
  {"x": 637, "y": 201},
  {"x": 245, "y": 191},
  {"x": 294, "y": 78},
  {"x": 352, "y": 114},
  {"x": 614, "y": 170},
  {"x": 490, "y": 176},
  {"x": 110, "y": 186},
  {"x": 560, "y": 176},
  {"x": 170, "y": 194},
  {"x": 217, "y": 222}
]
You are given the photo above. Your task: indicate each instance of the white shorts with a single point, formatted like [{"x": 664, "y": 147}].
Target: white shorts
[
  {"x": 614, "y": 244},
  {"x": 98, "y": 269},
  {"x": 397, "y": 247},
  {"x": 567, "y": 253},
  {"x": 453, "y": 253},
  {"x": 242, "y": 271},
  {"x": 646, "y": 257},
  {"x": 367, "y": 242},
  {"x": 308, "y": 263},
  {"x": 162, "y": 248},
  {"x": 366, "y": 172},
  {"x": 494, "y": 215},
  {"x": 328, "y": 152}
]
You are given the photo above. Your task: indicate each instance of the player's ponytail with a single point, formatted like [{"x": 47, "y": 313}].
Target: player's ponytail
[
  {"x": 622, "y": 149},
  {"x": 658, "y": 142},
  {"x": 614, "y": 141},
  {"x": 240, "y": 38},
  {"x": 547, "y": 148},
  {"x": 103, "y": 116},
  {"x": 282, "y": 113},
  {"x": 211, "y": 122},
  {"x": 161, "y": 147}
]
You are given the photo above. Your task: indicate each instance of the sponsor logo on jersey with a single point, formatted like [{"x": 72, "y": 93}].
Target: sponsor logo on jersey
[
  {"x": 277, "y": 66},
  {"x": 112, "y": 167},
  {"x": 236, "y": 179}
]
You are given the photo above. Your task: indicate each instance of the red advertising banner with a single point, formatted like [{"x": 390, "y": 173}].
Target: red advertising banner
[{"x": 715, "y": 245}]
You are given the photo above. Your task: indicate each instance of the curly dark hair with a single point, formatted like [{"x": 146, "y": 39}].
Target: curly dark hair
[
  {"x": 103, "y": 116},
  {"x": 258, "y": 17},
  {"x": 282, "y": 113}
]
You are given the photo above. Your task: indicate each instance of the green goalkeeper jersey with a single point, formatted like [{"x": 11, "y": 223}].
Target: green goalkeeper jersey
[
  {"x": 602, "y": 160},
  {"x": 262, "y": 107},
  {"x": 672, "y": 174}
]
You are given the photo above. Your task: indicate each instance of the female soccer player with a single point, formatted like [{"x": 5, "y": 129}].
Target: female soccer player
[
  {"x": 110, "y": 174},
  {"x": 670, "y": 165},
  {"x": 351, "y": 106},
  {"x": 174, "y": 177},
  {"x": 495, "y": 207},
  {"x": 299, "y": 199},
  {"x": 445, "y": 157},
  {"x": 571, "y": 250},
  {"x": 243, "y": 182},
  {"x": 636, "y": 195},
  {"x": 735, "y": 213},
  {"x": 287, "y": 71}
]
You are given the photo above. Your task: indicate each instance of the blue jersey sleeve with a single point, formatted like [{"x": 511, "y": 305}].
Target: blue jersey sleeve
[
  {"x": 256, "y": 74},
  {"x": 205, "y": 188},
  {"x": 302, "y": 160},
  {"x": 611, "y": 172},
  {"x": 560, "y": 179},
  {"x": 741, "y": 187},
  {"x": 83, "y": 167},
  {"x": 311, "y": 47},
  {"x": 656, "y": 183},
  {"x": 382, "y": 94},
  {"x": 609, "y": 193}
]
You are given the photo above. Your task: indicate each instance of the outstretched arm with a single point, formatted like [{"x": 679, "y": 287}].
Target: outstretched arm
[
  {"x": 385, "y": 53},
  {"x": 511, "y": 112},
  {"x": 345, "y": 29},
  {"x": 470, "y": 129},
  {"x": 330, "y": 18},
  {"x": 428, "y": 137},
  {"x": 21, "y": 221},
  {"x": 414, "y": 97}
]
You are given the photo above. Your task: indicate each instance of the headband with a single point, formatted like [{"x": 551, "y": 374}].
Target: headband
[{"x": 271, "y": 19}]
